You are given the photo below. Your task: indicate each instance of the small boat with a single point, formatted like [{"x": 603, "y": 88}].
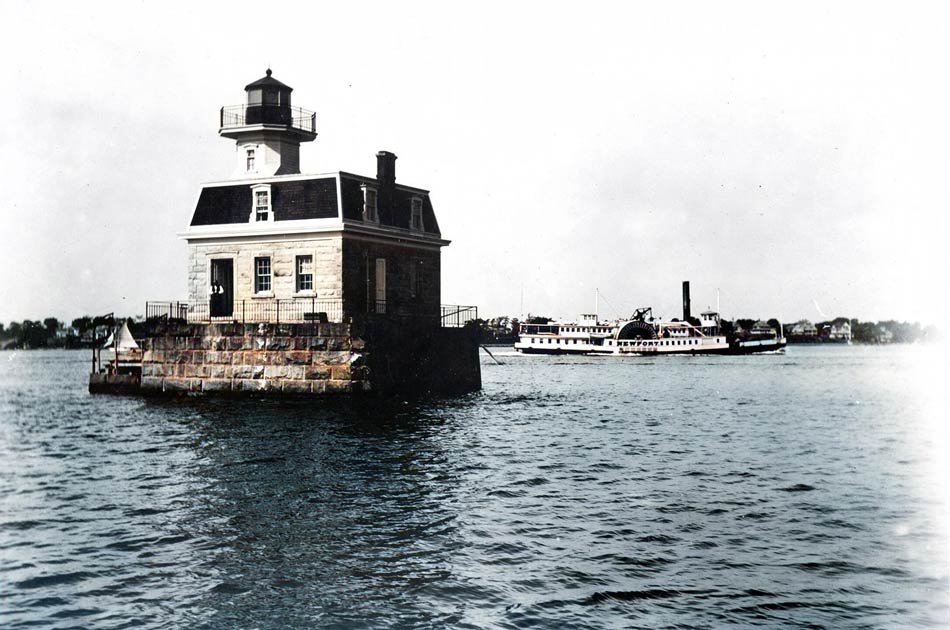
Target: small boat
[
  {"x": 122, "y": 373},
  {"x": 761, "y": 338}
]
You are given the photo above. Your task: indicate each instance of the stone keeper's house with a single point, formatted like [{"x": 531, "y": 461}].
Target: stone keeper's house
[{"x": 316, "y": 246}]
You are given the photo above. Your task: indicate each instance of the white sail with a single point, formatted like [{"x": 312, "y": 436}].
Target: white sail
[{"x": 126, "y": 340}]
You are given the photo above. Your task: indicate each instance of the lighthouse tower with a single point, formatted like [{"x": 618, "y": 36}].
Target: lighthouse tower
[{"x": 267, "y": 130}]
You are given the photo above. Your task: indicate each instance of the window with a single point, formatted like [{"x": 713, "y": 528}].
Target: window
[
  {"x": 381, "y": 286},
  {"x": 416, "y": 220},
  {"x": 304, "y": 273},
  {"x": 415, "y": 277},
  {"x": 261, "y": 209},
  {"x": 262, "y": 274},
  {"x": 250, "y": 161},
  {"x": 261, "y": 205},
  {"x": 369, "y": 283},
  {"x": 369, "y": 205}
]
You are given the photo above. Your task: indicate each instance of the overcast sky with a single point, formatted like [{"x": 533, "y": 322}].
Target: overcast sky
[{"x": 794, "y": 158}]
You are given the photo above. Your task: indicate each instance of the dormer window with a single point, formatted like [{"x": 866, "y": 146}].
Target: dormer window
[
  {"x": 369, "y": 205},
  {"x": 250, "y": 161},
  {"x": 261, "y": 200},
  {"x": 261, "y": 205},
  {"x": 415, "y": 221}
]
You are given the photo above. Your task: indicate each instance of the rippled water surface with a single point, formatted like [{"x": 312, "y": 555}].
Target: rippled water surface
[{"x": 796, "y": 491}]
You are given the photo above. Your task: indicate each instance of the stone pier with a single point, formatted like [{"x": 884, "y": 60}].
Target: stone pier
[{"x": 310, "y": 359}]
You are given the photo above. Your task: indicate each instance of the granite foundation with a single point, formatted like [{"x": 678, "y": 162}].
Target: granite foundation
[{"x": 310, "y": 359}]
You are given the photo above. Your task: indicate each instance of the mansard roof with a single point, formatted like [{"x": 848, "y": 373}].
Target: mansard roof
[
  {"x": 299, "y": 197},
  {"x": 398, "y": 213},
  {"x": 295, "y": 199}
]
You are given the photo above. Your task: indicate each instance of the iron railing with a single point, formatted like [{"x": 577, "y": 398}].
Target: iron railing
[
  {"x": 248, "y": 311},
  {"x": 244, "y": 115},
  {"x": 300, "y": 310},
  {"x": 454, "y": 316}
]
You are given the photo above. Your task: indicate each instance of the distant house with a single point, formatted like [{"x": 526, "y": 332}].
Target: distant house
[
  {"x": 269, "y": 234},
  {"x": 839, "y": 332},
  {"x": 803, "y": 328},
  {"x": 761, "y": 328},
  {"x": 884, "y": 335}
]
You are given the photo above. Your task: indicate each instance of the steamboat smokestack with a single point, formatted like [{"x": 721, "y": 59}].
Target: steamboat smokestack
[{"x": 686, "y": 313}]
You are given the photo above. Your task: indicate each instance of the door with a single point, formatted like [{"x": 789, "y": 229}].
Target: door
[
  {"x": 380, "y": 285},
  {"x": 222, "y": 287}
]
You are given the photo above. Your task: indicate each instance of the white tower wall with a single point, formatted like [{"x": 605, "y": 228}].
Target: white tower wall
[{"x": 274, "y": 154}]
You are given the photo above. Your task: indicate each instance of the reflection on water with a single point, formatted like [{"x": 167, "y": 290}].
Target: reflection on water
[
  {"x": 781, "y": 491},
  {"x": 325, "y": 511}
]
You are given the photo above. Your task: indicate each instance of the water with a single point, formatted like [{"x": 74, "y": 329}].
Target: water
[{"x": 796, "y": 491}]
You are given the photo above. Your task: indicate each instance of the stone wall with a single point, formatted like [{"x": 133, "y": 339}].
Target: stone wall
[
  {"x": 327, "y": 273},
  {"x": 343, "y": 268},
  {"x": 422, "y": 360},
  {"x": 359, "y": 276},
  {"x": 381, "y": 356},
  {"x": 302, "y": 359}
]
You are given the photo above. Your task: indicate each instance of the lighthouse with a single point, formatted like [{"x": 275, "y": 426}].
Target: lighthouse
[
  {"x": 271, "y": 240},
  {"x": 306, "y": 283},
  {"x": 267, "y": 130}
]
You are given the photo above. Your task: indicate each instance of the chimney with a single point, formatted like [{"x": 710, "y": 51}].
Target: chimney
[
  {"x": 386, "y": 178},
  {"x": 686, "y": 313},
  {"x": 386, "y": 168}
]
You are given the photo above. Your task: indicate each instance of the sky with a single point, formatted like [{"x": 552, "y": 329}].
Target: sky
[{"x": 790, "y": 158}]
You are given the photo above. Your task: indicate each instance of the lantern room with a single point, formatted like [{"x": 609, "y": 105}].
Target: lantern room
[
  {"x": 267, "y": 129},
  {"x": 268, "y": 101}
]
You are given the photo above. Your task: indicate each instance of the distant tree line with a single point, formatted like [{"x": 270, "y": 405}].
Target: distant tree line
[
  {"x": 891, "y": 331},
  {"x": 81, "y": 332},
  {"x": 880, "y": 332}
]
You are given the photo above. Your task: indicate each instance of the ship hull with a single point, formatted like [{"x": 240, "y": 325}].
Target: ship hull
[
  {"x": 756, "y": 347},
  {"x": 553, "y": 351},
  {"x": 629, "y": 349}
]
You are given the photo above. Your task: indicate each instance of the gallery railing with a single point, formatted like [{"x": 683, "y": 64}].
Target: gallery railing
[
  {"x": 244, "y": 115},
  {"x": 300, "y": 310}
]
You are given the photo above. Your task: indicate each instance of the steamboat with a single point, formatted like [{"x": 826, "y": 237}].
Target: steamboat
[{"x": 644, "y": 334}]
